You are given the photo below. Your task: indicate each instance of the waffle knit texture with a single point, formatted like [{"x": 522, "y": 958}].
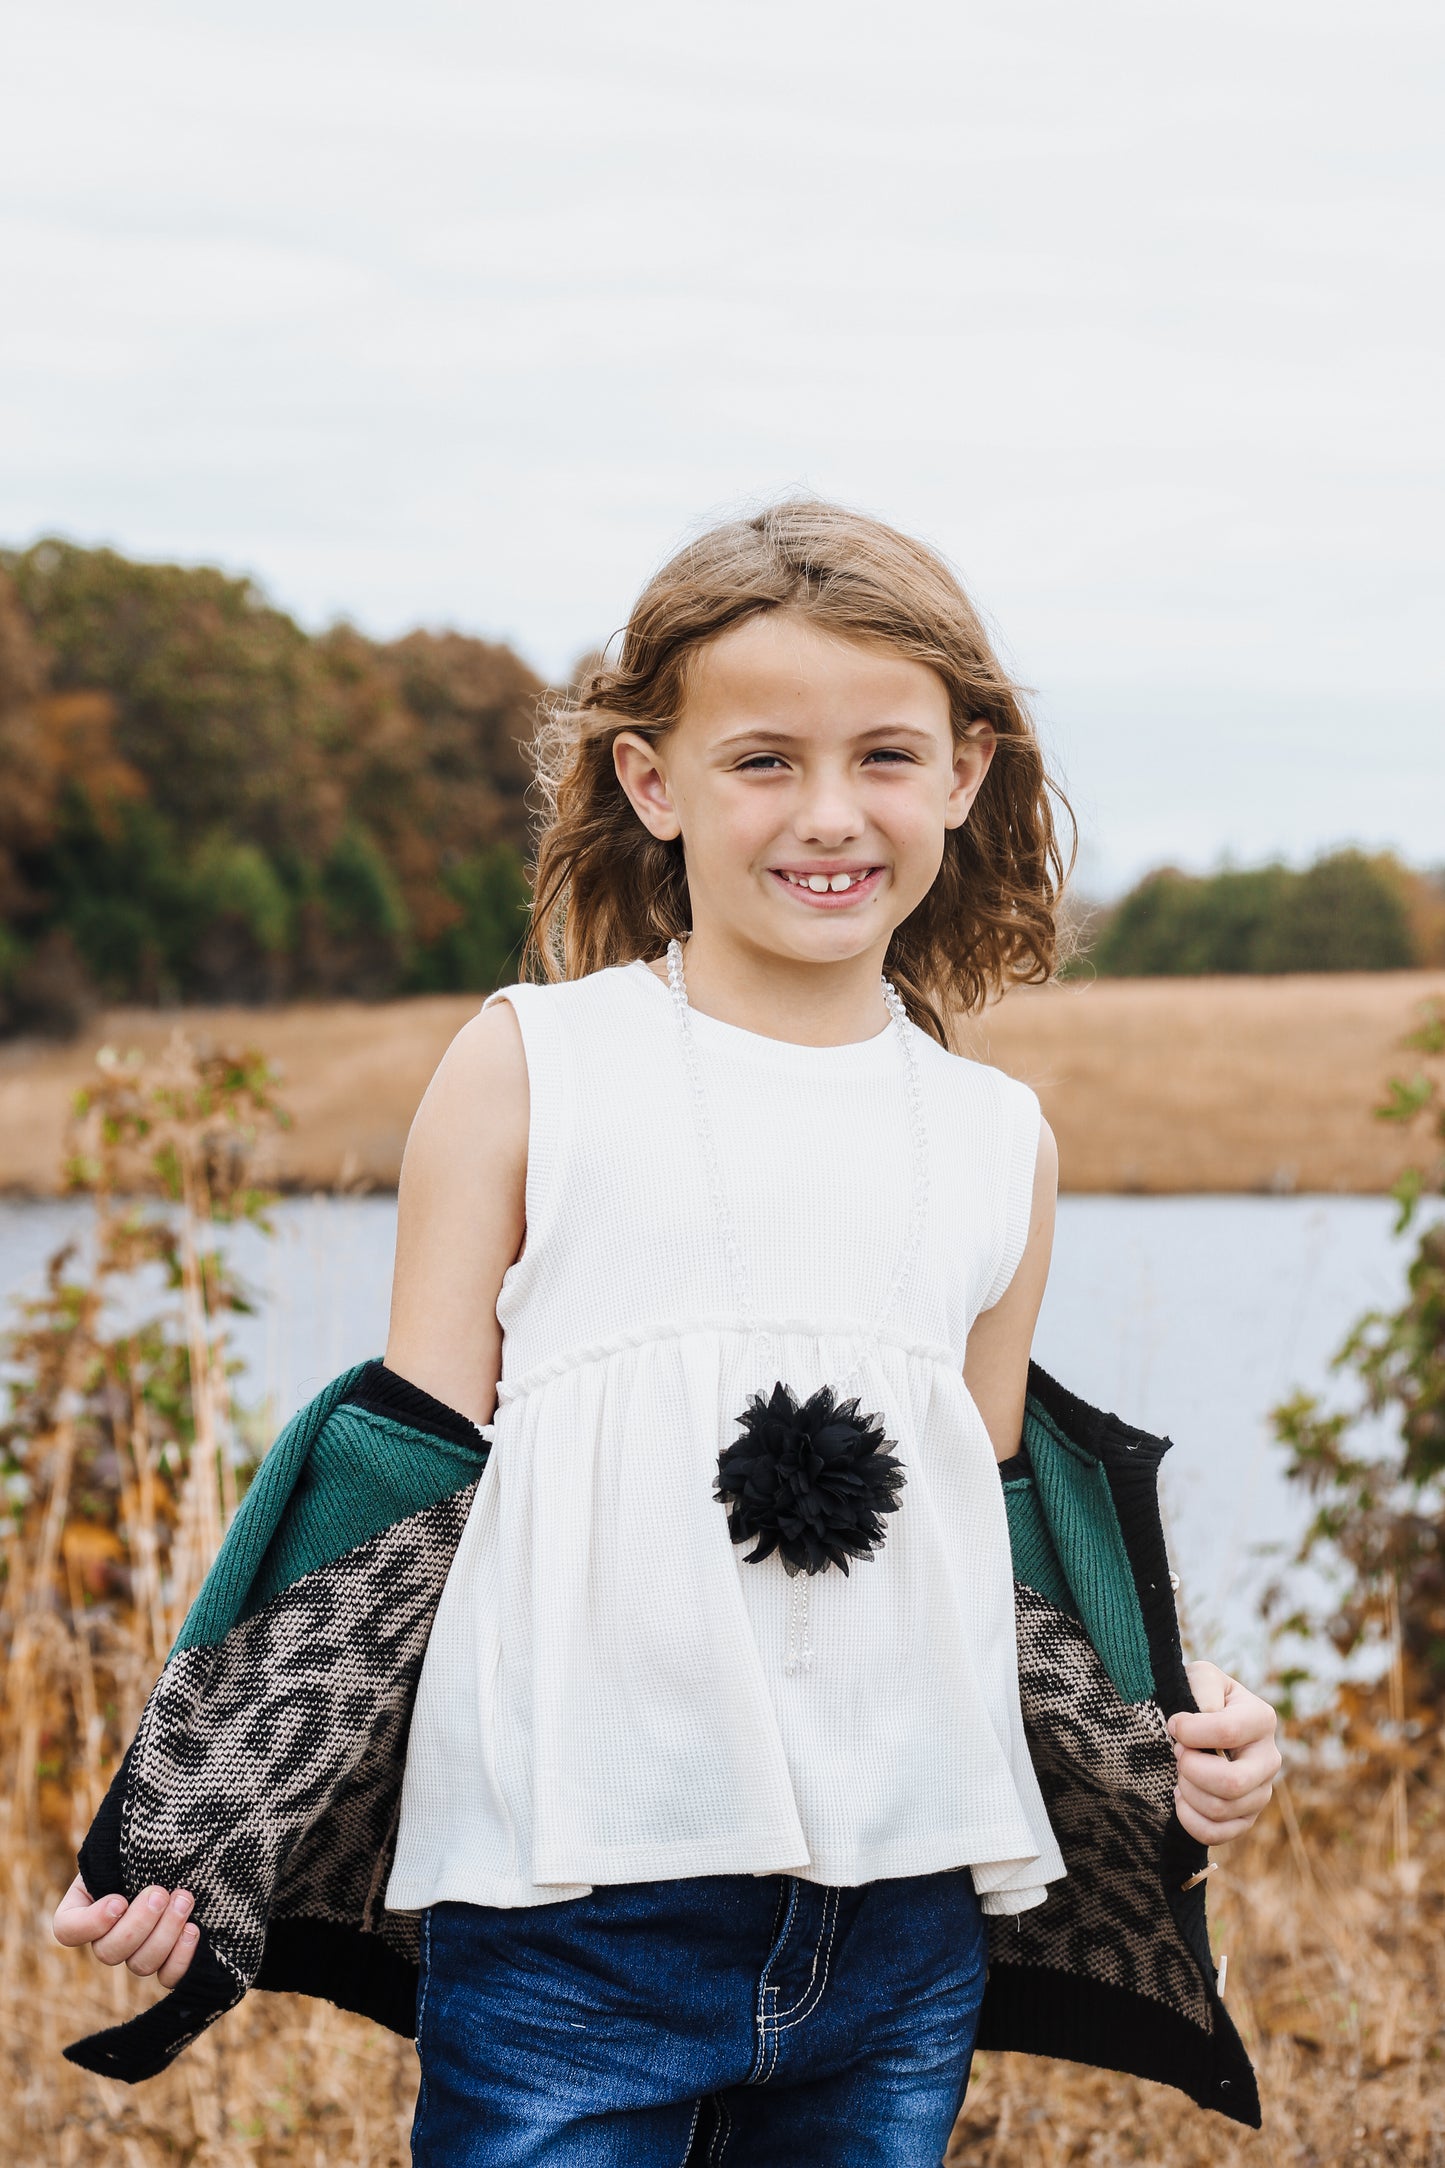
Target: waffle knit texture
[{"x": 612, "y": 1692}]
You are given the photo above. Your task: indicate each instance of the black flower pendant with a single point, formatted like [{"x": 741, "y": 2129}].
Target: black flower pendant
[{"x": 809, "y": 1482}]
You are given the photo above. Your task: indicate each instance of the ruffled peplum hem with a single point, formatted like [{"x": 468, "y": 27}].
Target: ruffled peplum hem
[{"x": 635, "y": 1701}]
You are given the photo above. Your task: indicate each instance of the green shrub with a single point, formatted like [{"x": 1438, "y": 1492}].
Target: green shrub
[
  {"x": 481, "y": 949},
  {"x": 237, "y": 881},
  {"x": 1347, "y": 912}
]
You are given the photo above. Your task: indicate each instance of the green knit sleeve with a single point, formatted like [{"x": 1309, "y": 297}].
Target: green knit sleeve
[
  {"x": 336, "y": 1476},
  {"x": 1035, "y": 1561},
  {"x": 1077, "y": 1511}
]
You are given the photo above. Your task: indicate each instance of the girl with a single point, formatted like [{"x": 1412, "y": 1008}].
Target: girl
[{"x": 718, "y": 1764}]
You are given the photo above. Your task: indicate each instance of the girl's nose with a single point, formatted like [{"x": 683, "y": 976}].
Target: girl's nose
[{"x": 829, "y": 817}]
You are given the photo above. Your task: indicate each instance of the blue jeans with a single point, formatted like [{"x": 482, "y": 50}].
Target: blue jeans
[{"x": 727, "y": 2020}]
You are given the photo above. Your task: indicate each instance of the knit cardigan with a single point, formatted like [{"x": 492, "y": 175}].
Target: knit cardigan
[{"x": 265, "y": 1774}]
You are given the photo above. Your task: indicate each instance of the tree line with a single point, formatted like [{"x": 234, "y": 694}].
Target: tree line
[
  {"x": 1350, "y": 911},
  {"x": 200, "y": 801}
]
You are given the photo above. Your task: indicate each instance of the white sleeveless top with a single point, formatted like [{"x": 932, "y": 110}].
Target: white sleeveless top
[{"x": 611, "y": 1692}]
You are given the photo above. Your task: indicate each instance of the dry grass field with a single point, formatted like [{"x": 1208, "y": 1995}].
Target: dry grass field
[
  {"x": 1158, "y": 1085},
  {"x": 1152, "y": 1085},
  {"x": 1336, "y": 1978}
]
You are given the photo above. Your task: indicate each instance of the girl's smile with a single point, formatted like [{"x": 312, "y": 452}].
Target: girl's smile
[{"x": 829, "y": 887}]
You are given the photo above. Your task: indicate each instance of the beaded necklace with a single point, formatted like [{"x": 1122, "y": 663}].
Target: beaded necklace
[
  {"x": 742, "y": 1282},
  {"x": 809, "y": 1481}
]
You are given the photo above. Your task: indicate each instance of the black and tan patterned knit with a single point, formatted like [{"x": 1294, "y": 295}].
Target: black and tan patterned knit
[{"x": 266, "y": 1772}]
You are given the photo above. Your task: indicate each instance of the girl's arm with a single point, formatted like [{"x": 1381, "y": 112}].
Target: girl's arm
[
  {"x": 1226, "y": 1755},
  {"x": 460, "y": 1222},
  {"x": 996, "y": 1361},
  {"x": 461, "y": 1216}
]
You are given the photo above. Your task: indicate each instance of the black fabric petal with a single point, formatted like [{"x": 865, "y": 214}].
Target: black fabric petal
[{"x": 810, "y": 1482}]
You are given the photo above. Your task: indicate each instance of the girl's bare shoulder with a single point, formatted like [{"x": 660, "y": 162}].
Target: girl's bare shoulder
[
  {"x": 461, "y": 1215},
  {"x": 478, "y": 1095}
]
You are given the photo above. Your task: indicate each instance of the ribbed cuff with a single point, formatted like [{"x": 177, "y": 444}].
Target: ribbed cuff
[{"x": 381, "y": 1392}]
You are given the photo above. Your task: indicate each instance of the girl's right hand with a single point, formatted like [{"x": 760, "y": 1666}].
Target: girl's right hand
[{"x": 153, "y": 1934}]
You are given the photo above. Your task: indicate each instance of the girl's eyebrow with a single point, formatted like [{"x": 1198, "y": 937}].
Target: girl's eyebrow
[{"x": 771, "y": 734}]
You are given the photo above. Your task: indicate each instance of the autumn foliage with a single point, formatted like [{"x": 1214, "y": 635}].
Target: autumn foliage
[{"x": 199, "y": 800}]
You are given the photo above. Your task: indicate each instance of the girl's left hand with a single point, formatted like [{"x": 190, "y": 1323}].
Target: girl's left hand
[{"x": 1226, "y": 1755}]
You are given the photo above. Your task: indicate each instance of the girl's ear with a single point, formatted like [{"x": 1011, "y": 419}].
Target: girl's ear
[
  {"x": 972, "y": 752},
  {"x": 644, "y": 779}
]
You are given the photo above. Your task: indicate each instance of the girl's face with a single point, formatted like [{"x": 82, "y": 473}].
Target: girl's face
[{"x": 812, "y": 780}]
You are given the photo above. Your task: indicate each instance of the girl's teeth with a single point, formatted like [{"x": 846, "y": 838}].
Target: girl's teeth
[{"x": 821, "y": 883}]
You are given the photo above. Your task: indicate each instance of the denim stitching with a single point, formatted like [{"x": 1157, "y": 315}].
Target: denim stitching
[
  {"x": 804, "y": 2007},
  {"x": 762, "y": 2013},
  {"x": 788, "y": 2016},
  {"x": 771, "y": 2061},
  {"x": 691, "y": 2133},
  {"x": 797, "y": 2016},
  {"x": 769, "y": 2053},
  {"x": 717, "y": 2143},
  {"x": 419, "y": 2112}
]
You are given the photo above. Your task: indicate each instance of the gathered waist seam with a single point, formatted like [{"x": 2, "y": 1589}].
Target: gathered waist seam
[{"x": 623, "y": 1343}]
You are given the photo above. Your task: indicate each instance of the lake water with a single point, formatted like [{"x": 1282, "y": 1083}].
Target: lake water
[{"x": 1192, "y": 1316}]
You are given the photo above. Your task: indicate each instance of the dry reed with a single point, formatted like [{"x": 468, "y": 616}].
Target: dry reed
[
  {"x": 1336, "y": 1978},
  {"x": 124, "y": 1454}
]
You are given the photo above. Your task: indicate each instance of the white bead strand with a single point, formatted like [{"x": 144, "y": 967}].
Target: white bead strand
[
  {"x": 799, "y": 1655},
  {"x": 918, "y": 1132},
  {"x": 742, "y": 1283}
]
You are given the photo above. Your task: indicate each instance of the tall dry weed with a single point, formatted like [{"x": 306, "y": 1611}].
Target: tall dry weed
[
  {"x": 123, "y": 1456},
  {"x": 1336, "y": 1980}
]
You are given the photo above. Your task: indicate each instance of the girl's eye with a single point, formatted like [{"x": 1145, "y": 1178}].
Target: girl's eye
[{"x": 767, "y": 763}]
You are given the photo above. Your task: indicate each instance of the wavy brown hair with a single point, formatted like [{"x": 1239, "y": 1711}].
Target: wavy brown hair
[{"x": 606, "y": 891}]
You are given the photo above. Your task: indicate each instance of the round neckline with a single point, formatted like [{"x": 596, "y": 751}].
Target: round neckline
[{"x": 857, "y": 1053}]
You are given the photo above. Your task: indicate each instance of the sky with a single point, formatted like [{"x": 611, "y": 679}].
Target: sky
[{"x": 468, "y": 315}]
